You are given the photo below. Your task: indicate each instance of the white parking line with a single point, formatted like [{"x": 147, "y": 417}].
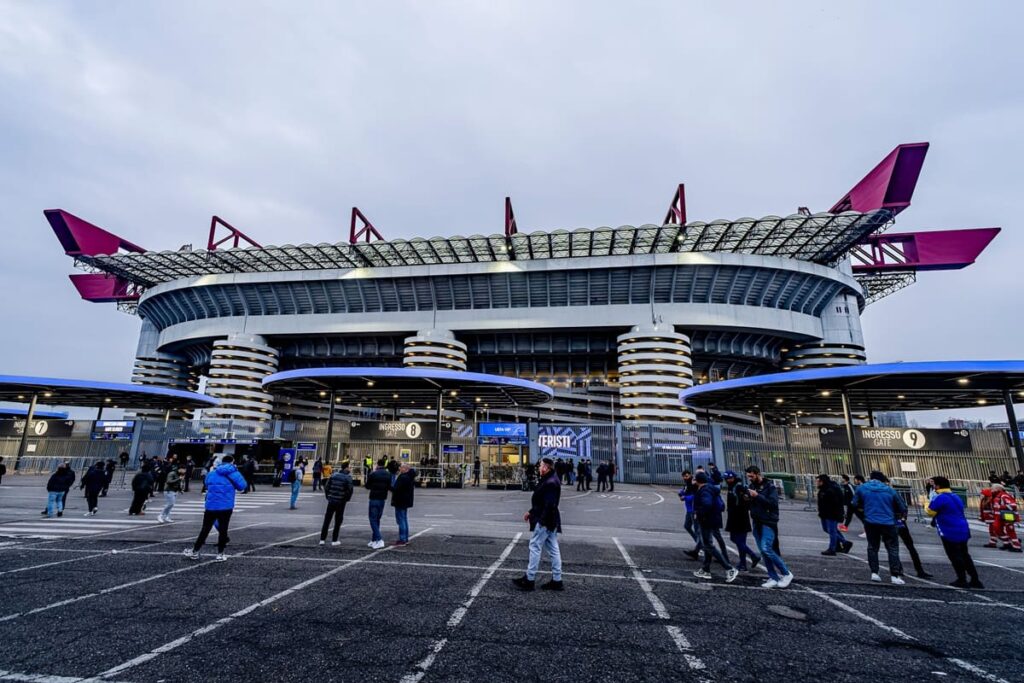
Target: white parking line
[
  {"x": 682, "y": 644},
  {"x": 184, "y": 640},
  {"x": 138, "y": 582},
  {"x": 39, "y": 678},
  {"x": 421, "y": 668}
]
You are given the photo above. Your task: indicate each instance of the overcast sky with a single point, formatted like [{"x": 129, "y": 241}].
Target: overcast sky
[{"x": 146, "y": 118}]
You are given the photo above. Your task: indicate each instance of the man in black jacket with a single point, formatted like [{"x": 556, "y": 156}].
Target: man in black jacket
[
  {"x": 763, "y": 498},
  {"x": 338, "y": 491},
  {"x": 708, "y": 508},
  {"x": 401, "y": 500},
  {"x": 57, "y": 490},
  {"x": 142, "y": 487},
  {"x": 379, "y": 483},
  {"x": 831, "y": 511},
  {"x": 93, "y": 482},
  {"x": 108, "y": 475},
  {"x": 545, "y": 523}
]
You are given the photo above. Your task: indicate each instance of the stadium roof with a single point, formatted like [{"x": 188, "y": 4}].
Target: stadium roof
[
  {"x": 880, "y": 387},
  {"x": 409, "y": 387},
  {"x": 75, "y": 392},
  {"x": 821, "y": 238}
]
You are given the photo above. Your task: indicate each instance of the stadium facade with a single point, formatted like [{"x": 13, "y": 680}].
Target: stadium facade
[{"x": 615, "y": 320}]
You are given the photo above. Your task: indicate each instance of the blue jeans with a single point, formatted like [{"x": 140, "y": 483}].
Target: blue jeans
[
  {"x": 835, "y": 536},
  {"x": 54, "y": 502},
  {"x": 543, "y": 539},
  {"x": 765, "y": 537},
  {"x": 739, "y": 539},
  {"x": 402, "y": 519},
  {"x": 296, "y": 487},
  {"x": 376, "y": 511},
  {"x": 169, "y": 498}
]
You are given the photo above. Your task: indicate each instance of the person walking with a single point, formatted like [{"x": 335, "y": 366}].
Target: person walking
[
  {"x": 686, "y": 494},
  {"x": 1004, "y": 509},
  {"x": 715, "y": 475},
  {"x": 830, "y": 511},
  {"x": 882, "y": 506},
  {"x": 56, "y": 490},
  {"x": 108, "y": 476},
  {"x": 222, "y": 483},
  {"x": 172, "y": 487},
  {"x": 590, "y": 474},
  {"x": 71, "y": 474},
  {"x": 338, "y": 490},
  {"x": 847, "y": 488},
  {"x": 737, "y": 523},
  {"x": 476, "y": 471},
  {"x": 545, "y": 524},
  {"x": 298, "y": 473},
  {"x": 248, "y": 471},
  {"x": 190, "y": 467},
  {"x": 142, "y": 486},
  {"x": 903, "y": 529},
  {"x": 379, "y": 483},
  {"x": 947, "y": 511},
  {"x": 763, "y": 499},
  {"x": 581, "y": 475},
  {"x": 3, "y": 470},
  {"x": 401, "y": 500},
  {"x": 611, "y": 476},
  {"x": 93, "y": 482},
  {"x": 318, "y": 472},
  {"x": 123, "y": 458},
  {"x": 708, "y": 508}
]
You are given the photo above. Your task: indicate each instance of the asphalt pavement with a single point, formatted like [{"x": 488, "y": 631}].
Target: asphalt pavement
[{"x": 111, "y": 598}]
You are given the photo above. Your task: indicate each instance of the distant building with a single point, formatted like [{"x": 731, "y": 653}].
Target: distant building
[
  {"x": 893, "y": 419},
  {"x": 961, "y": 423}
]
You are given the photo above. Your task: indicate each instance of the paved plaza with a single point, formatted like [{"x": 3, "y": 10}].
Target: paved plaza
[{"x": 112, "y": 598}]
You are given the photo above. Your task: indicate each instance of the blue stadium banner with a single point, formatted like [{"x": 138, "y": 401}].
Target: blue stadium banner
[
  {"x": 564, "y": 441},
  {"x": 499, "y": 433}
]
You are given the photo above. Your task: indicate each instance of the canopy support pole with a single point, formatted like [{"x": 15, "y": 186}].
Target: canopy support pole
[
  {"x": 440, "y": 411},
  {"x": 99, "y": 413},
  {"x": 24, "y": 432},
  {"x": 764, "y": 430},
  {"x": 848, "y": 419},
  {"x": 330, "y": 428},
  {"x": 1014, "y": 428}
]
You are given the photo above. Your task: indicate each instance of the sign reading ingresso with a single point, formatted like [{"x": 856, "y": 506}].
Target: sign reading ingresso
[
  {"x": 397, "y": 431},
  {"x": 58, "y": 429},
  {"x": 898, "y": 439}
]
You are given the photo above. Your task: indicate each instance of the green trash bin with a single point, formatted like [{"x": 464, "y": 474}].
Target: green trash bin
[
  {"x": 961, "y": 493},
  {"x": 788, "y": 483}
]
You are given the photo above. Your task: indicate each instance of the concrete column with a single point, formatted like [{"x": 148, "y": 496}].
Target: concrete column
[{"x": 655, "y": 363}]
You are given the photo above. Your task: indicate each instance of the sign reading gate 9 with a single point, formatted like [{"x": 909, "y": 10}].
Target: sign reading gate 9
[{"x": 898, "y": 439}]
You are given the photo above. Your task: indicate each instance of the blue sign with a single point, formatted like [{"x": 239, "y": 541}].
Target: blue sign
[
  {"x": 112, "y": 429},
  {"x": 563, "y": 441},
  {"x": 287, "y": 456},
  {"x": 450, "y": 449},
  {"x": 305, "y": 446},
  {"x": 498, "y": 433}
]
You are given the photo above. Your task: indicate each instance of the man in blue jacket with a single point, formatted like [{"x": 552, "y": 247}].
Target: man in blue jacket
[
  {"x": 221, "y": 484},
  {"x": 947, "y": 510},
  {"x": 708, "y": 507},
  {"x": 882, "y": 506}
]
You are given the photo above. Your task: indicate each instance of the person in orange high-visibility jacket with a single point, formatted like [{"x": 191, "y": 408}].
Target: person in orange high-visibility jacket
[{"x": 1004, "y": 510}]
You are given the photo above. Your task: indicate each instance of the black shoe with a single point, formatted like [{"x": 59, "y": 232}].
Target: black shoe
[
  {"x": 523, "y": 583},
  {"x": 846, "y": 546},
  {"x": 828, "y": 552},
  {"x": 959, "y": 583},
  {"x": 60, "y": 514},
  {"x": 976, "y": 584},
  {"x": 692, "y": 554},
  {"x": 924, "y": 575},
  {"x": 552, "y": 586}
]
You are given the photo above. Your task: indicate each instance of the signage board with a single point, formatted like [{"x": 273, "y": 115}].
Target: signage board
[
  {"x": 898, "y": 439},
  {"x": 287, "y": 456},
  {"x": 306, "y": 446},
  {"x": 112, "y": 429},
  {"x": 564, "y": 441},
  {"x": 56, "y": 429},
  {"x": 1009, "y": 436},
  {"x": 397, "y": 431},
  {"x": 500, "y": 433},
  {"x": 451, "y": 450}
]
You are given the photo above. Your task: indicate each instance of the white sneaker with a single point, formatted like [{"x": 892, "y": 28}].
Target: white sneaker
[
  {"x": 378, "y": 545},
  {"x": 862, "y": 535},
  {"x": 770, "y": 583},
  {"x": 322, "y": 543},
  {"x": 897, "y": 580},
  {"x": 701, "y": 574},
  {"x": 160, "y": 519},
  {"x": 168, "y": 520},
  {"x": 731, "y": 575},
  {"x": 93, "y": 513},
  {"x": 335, "y": 542},
  {"x": 876, "y": 578},
  {"x": 190, "y": 554},
  {"x": 371, "y": 544},
  {"x": 221, "y": 557},
  {"x": 785, "y": 580},
  {"x": 87, "y": 514}
]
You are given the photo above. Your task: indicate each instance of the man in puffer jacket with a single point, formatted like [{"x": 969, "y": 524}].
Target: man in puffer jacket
[
  {"x": 338, "y": 491},
  {"x": 708, "y": 507},
  {"x": 221, "y": 484},
  {"x": 882, "y": 507}
]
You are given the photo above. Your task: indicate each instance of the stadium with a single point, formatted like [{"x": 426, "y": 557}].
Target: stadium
[{"x": 616, "y": 321}]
